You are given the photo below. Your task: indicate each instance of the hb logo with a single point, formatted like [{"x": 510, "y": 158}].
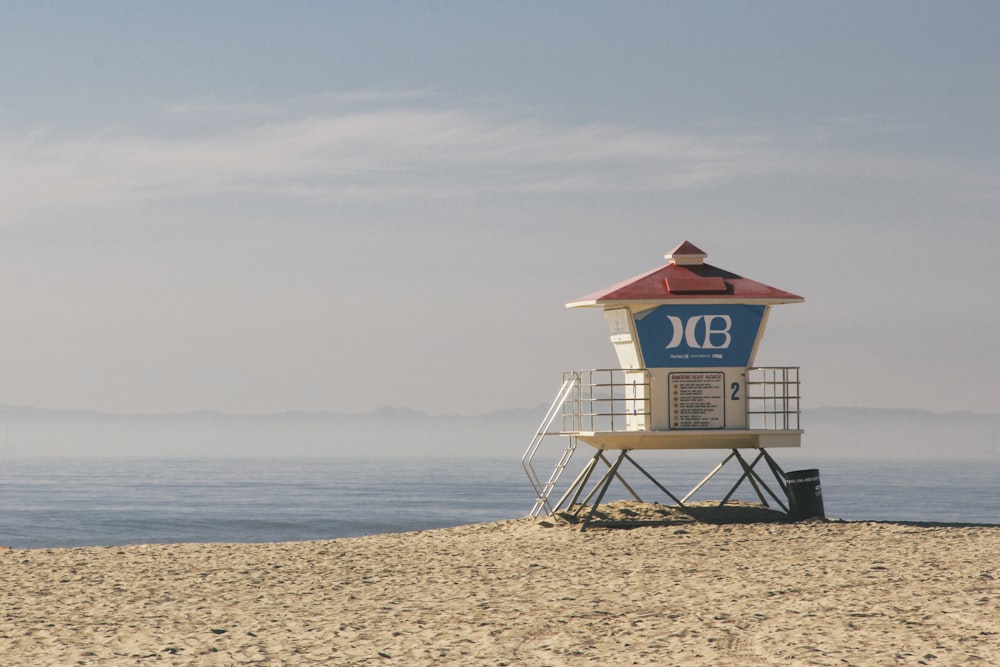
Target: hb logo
[{"x": 705, "y": 332}]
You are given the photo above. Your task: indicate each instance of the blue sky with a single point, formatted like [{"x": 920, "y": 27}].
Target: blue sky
[{"x": 258, "y": 207}]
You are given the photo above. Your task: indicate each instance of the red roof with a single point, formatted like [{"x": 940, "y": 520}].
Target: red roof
[{"x": 687, "y": 277}]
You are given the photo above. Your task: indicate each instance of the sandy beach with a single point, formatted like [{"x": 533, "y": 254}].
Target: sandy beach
[{"x": 519, "y": 592}]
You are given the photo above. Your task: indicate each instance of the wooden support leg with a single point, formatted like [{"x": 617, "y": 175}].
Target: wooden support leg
[
  {"x": 579, "y": 483},
  {"x": 651, "y": 479},
  {"x": 606, "y": 482},
  {"x": 707, "y": 477},
  {"x": 750, "y": 474}
]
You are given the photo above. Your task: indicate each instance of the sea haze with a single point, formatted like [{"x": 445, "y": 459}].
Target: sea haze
[
  {"x": 388, "y": 431},
  {"x": 83, "y": 478}
]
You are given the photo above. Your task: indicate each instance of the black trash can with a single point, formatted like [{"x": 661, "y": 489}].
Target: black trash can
[{"x": 805, "y": 495}]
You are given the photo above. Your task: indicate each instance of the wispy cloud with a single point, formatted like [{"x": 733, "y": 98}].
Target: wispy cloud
[{"x": 383, "y": 152}]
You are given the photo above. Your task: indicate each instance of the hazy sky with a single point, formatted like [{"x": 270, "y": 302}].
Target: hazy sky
[{"x": 268, "y": 206}]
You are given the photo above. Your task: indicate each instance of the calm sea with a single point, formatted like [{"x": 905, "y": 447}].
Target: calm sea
[{"x": 67, "y": 503}]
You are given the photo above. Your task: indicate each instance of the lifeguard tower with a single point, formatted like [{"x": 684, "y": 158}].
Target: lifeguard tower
[{"x": 685, "y": 335}]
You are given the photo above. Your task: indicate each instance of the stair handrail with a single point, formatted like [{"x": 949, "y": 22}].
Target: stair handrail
[{"x": 542, "y": 490}]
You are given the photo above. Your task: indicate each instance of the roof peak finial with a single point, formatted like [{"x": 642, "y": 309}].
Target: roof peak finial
[{"x": 686, "y": 254}]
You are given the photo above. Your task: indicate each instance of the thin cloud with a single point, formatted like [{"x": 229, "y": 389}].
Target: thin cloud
[
  {"x": 381, "y": 153},
  {"x": 391, "y": 153}
]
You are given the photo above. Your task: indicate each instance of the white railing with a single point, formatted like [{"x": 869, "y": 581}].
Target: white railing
[
  {"x": 607, "y": 399},
  {"x": 616, "y": 399},
  {"x": 543, "y": 490},
  {"x": 773, "y": 398}
]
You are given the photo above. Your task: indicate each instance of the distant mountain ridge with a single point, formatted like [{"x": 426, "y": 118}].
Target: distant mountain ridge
[
  {"x": 389, "y": 411},
  {"x": 394, "y": 431},
  {"x": 386, "y": 431},
  {"x": 901, "y": 433}
]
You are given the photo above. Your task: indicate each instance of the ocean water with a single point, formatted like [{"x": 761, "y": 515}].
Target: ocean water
[{"x": 48, "y": 503}]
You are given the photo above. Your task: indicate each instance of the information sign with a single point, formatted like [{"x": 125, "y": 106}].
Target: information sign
[{"x": 697, "y": 400}]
